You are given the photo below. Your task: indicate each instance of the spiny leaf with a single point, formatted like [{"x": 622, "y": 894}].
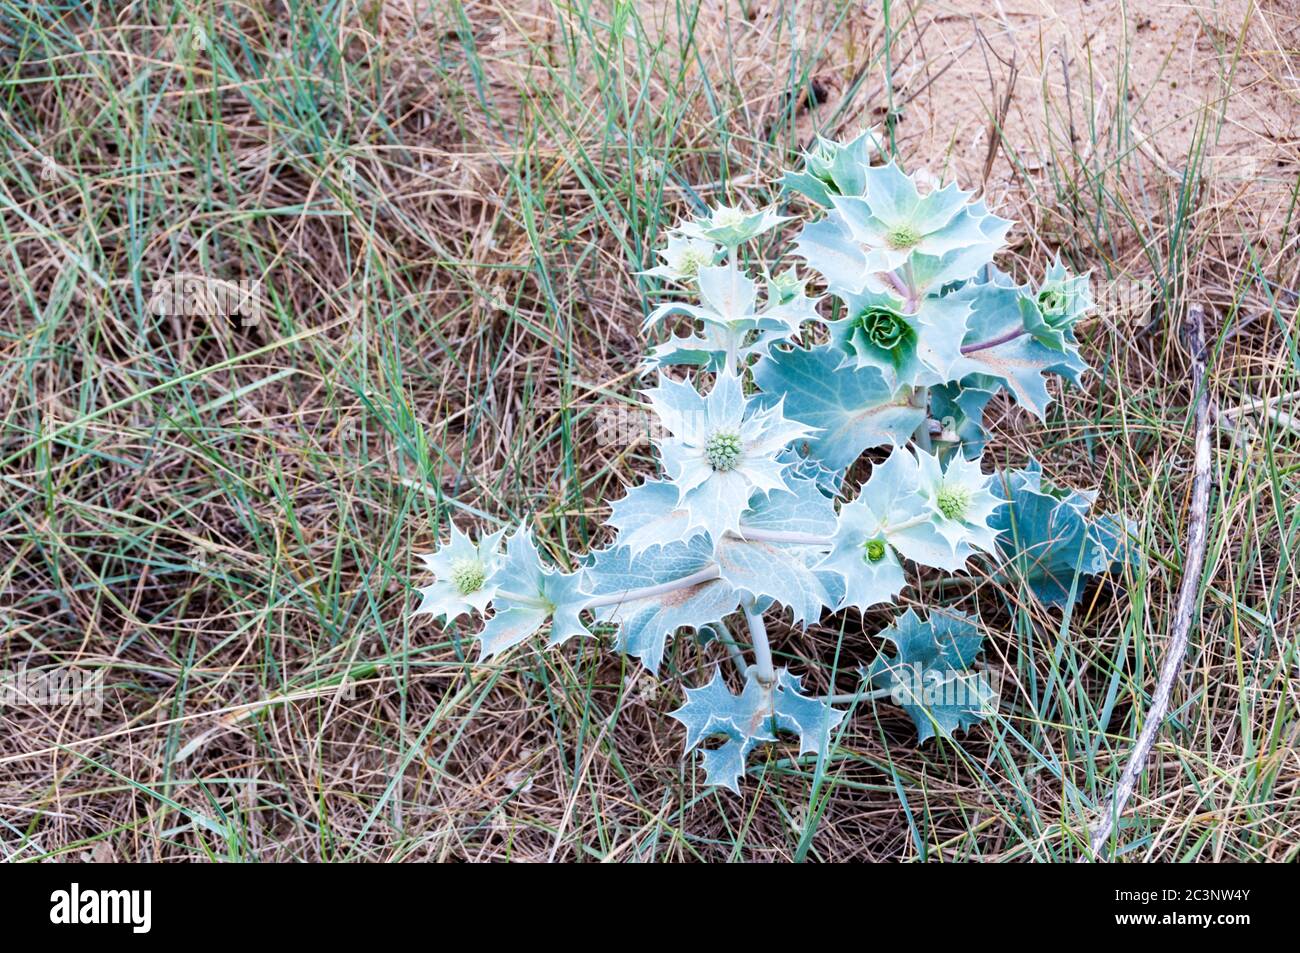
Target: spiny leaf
[
  {"x": 929, "y": 676},
  {"x": 834, "y": 168},
  {"x": 526, "y": 595},
  {"x": 752, "y": 717},
  {"x": 959, "y": 408},
  {"x": 1020, "y": 360},
  {"x": 853, "y": 409},
  {"x": 644, "y": 624},
  {"x": 1046, "y": 537},
  {"x": 649, "y": 515},
  {"x": 782, "y": 571}
]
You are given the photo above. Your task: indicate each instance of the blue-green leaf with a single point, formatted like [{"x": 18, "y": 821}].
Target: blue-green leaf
[
  {"x": 779, "y": 571},
  {"x": 645, "y": 624},
  {"x": 834, "y": 168},
  {"x": 1017, "y": 359},
  {"x": 959, "y": 407},
  {"x": 829, "y": 249},
  {"x": 854, "y": 409},
  {"x": 752, "y": 717},
  {"x": 1047, "y": 538},
  {"x": 527, "y": 594},
  {"x": 650, "y": 515},
  {"x": 929, "y": 674}
]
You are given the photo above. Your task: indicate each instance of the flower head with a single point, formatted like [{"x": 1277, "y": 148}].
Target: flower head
[
  {"x": 959, "y": 500},
  {"x": 722, "y": 448},
  {"x": 916, "y": 345},
  {"x": 462, "y": 569},
  {"x": 683, "y": 259},
  {"x": 731, "y": 226},
  {"x": 862, "y": 556},
  {"x": 893, "y": 219}
]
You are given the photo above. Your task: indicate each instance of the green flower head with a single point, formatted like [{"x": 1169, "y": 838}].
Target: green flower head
[
  {"x": 723, "y": 449},
  {"x": 683, "y": 259},
  {"x": 462, "y": 569},
  {"x": 885, "y": 328},
  {"x": 720, "y": 449},
  {"x": 959, "y": 500}
]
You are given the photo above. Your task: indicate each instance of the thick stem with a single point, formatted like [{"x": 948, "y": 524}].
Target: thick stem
[
  {"x": 894, "y": 282},
  {"x": 707, "y": 574},
  {"x": 734, "y": 651},
  {"x": 921, "y": 399},
  {"x": 852, "y": 698},
  {"x": 763, "y": 669},
  {"x": 994, "y": 342},
  {"x": 508, "y": 596},
  {"x": 906, "y": 524},
  {"x": 913, "y": 296},
  {"x": 754, "y": 535}
]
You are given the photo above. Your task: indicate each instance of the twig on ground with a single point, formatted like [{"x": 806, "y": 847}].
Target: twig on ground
[{"x": 1195, "y": 560}]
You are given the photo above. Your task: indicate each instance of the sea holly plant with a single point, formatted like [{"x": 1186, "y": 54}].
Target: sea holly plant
[{"x": 819, "y": 452}]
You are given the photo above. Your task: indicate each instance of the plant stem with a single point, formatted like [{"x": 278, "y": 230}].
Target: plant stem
[
  {"x": 734, "y": 651},
  {"x": 763, "y": 670},
  {"x": 895, "y": 282},
  {"x": 707, "y": 574},
  {"x": 913, "y": 297},
  {"x": 852, "y": 698},
  {"x": 753, "y": 535},
  {"x": 508, "y": 596},
  {"x": 921, "y": 399},
  {"x": 906, "y": 524},
  {"x": 994, "y": 342}
]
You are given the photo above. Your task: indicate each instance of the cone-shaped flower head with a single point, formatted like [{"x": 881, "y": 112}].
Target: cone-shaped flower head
[
  {"x": 461, "y": 569},
  {"x": 722, "y": 448},
  {"x": 683, "y": 259},
  {"x": 959, "y": 500},
  {"x": 894, "y": 220}
]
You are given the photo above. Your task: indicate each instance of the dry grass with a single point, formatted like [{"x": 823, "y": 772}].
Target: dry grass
[{"x": 447, "y": 204}]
